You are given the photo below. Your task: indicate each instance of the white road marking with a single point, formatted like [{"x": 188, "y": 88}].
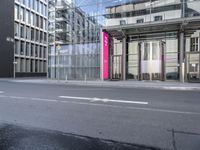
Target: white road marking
[
  {"x": 43, "y": 99},
  {"x": 1, "y": 92},
  {"x": 18, "y": 97},
  {"x": 3, "y": 96},
  {"x": 104, "y": 100},
  {"x": 181, "y": 88}
]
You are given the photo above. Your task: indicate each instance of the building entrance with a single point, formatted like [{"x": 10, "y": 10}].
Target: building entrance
[
  {"x": 151, "y": 60},
  {"x": 193, "y": 66}
]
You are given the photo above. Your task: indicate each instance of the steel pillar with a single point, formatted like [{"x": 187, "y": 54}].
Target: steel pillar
[
  {"x": 181, "y": 57},
  {"x": 124, "y": 48}
]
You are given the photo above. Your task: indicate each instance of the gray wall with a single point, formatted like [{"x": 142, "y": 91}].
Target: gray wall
[{"x": 6, "y": 30}]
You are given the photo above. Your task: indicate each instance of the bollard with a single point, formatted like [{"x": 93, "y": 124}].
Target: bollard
[
  {"x": 66, "y": 79},
  {"x": 85, "y": 77}
]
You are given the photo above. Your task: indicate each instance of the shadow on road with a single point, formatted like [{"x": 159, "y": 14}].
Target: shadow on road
[{"x": 22, "y": 138}]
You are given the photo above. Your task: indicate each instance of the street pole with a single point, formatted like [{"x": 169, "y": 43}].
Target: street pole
[
  {"x": 58, "y": 64},
  {"x": 14, "y": 63},
  {"x": 181, "y": 56}
]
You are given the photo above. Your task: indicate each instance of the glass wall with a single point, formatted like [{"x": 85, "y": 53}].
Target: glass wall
[
  {"x": 74, "y": 38},
  {"x": 78, "y": 61},
  {"x": 156, "y": 54},
  {"x": 133, "y": 60}
]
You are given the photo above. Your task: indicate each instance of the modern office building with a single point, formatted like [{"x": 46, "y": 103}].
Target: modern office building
[
  {"x": 140, "y": 39},
  {"x": 74, "y": 42},
  {"x": 153, "y": 40},
  {"x": 23, "y": 48}
]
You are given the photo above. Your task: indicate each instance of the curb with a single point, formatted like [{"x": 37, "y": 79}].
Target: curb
[{"x": 115, "y": 85}]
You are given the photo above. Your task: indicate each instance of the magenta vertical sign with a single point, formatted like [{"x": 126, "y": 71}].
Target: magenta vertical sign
[{"x": 105, "y": 57}]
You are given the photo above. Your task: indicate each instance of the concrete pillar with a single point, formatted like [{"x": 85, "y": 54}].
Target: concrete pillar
[
  {"x": 124, "y": 48},
  {"x": 183, "y": 8},
  {"x": 181, "y": 56}
]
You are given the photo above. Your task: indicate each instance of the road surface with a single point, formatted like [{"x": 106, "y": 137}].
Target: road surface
[{"x": 163, "y": 119}]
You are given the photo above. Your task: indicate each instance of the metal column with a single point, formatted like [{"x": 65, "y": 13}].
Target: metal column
[
  {"x": 181, "y": 57},
  {"x": 124, "y": 48}
]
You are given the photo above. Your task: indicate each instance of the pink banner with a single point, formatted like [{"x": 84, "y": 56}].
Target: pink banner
[{"x": 106, "y": 56}]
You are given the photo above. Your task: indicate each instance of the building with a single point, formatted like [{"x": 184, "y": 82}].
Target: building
[
  {"x": 74, "y": 42},
  {"x": 152, "y": 40},
  {"x": 23, "y": 49},
  {"x": 139, "y": 39}
]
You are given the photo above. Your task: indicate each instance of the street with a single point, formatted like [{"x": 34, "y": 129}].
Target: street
[{"x": 163, "y": 119}]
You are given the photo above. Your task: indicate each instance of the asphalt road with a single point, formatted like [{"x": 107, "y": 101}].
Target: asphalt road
[{"x": 144, "y": 117}]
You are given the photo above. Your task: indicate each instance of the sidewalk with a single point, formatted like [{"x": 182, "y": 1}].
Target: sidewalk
[{"x": 119, "y": 84}]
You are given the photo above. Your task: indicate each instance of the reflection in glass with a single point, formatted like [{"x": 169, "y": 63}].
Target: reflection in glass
[{"x": 146, "y": 52}]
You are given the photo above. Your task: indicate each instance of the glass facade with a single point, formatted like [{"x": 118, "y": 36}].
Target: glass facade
[
  {"x": 144, "y": 38},
  {"x": 74, "y": 42}
]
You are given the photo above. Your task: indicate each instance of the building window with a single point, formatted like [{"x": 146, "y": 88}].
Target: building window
[
  {"x": 27, "y": 49},
  {"x": 122, "y": 22},
  {"x": 22, "y": 30},
  {"x": 32, "y": 19},
  {"x": 194, "y": 44},
  {"x": 28, "y": 35},
  {"x": 22, "y": 48},
  {"x": 41, "y": 23},
  {"x": 158, "y": 18},
  {"x": 140, "y": 21},
  {"x": 27, "y": 17},
  {"x": 32, "y": 34},
  {"x": 16, "y": 29},
  {"x": 37, "y": 35},
  {"x": 32, "y": 49},
  {"x": 21, "y": 14},
  {"x": 17, "y": 46},
  {"x": 16, "y": 12}
]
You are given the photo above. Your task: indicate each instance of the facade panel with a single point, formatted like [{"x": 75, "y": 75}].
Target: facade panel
[
  {"x": 31, "y": 37},
  {"x": 23, "y": 49},
  {"x": 6, "y": 38}
]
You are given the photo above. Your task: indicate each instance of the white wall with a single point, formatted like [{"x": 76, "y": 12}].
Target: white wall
[{"x": 147, "y": 18}]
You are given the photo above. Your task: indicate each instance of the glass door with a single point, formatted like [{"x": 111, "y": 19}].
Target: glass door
[
  {"x": 193, "y": 66},
  {"x": 151, "y": 60},
  {"x": 116, "y": 71}
]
